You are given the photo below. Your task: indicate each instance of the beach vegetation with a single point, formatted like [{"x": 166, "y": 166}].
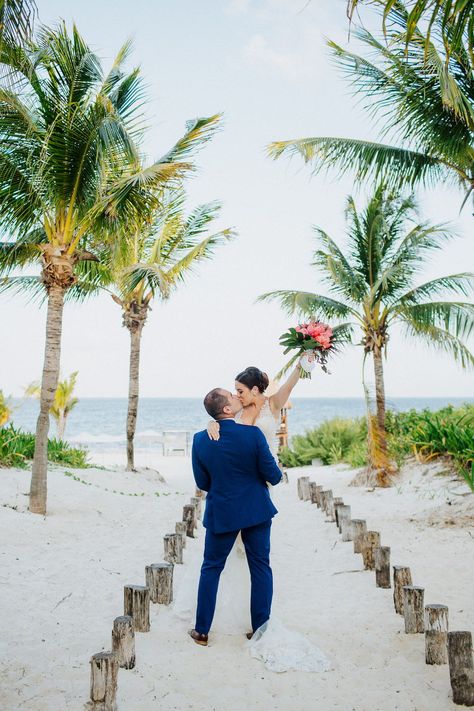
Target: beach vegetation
[
  {"x": 5, "y": 410},
  {"x": 424, "y": 435},
  {"x": 63, "y": 401},
  {"x": 375, "y": 279},
  {"x": 17, "y": 449}
]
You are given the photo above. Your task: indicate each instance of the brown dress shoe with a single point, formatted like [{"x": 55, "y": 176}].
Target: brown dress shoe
[
  {"x": 249, "y": 635},
  {"x": 198, "y": 637}
]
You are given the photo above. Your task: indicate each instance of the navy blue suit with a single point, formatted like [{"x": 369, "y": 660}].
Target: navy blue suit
[{"x": 235, "y": 471}]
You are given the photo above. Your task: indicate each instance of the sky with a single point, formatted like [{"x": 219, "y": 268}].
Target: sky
[{"x": 265, "y": 65}]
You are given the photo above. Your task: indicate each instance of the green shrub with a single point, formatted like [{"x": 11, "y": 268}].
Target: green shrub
[
  {"x": 17, "y": 447},
  {"x": 425, "y": 434},
  {"x": 331, "y": 442}
]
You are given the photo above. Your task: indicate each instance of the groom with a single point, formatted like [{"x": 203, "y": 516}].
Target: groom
[{"x": 234, "y": 471}]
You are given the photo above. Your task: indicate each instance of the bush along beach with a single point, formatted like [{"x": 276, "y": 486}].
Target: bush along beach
[
  {"x": 448, "y": 432},
  {"x": 17, "y": 449}
]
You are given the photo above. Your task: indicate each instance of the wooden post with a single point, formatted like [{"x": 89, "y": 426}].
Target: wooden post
[
  {"x": 343, "y": 514},
  {"x": 330, "y": 504},
  {"x": 181, "y": 528},
  {"x": 346, "y": 529},
  {"x": 173, "y": 545},
  {"x": 413, "y": 609},
  {"x": 123, "y": 641},
  {"x": 197, "y": 502},
  {"x": 370, "y": 541},
  {"x": 104, "y": 673},
  {"x": 382, "y": 567},
  {"x": 313, "y": 487},
  {"x": 461, "y": 669},
  {"x": 359, "y": 527},
  {"x": 401, "y": 577},
  {"x": 189, "y": 517},
  {"x": 336, "y": 511},
  {"x": 318, "y": 490},
  {"x": 136, "y": 603},
  {"x": 303, "y": 487},
  {"x": 159, "y": 581},
  {"x": 436, "y": 634}
]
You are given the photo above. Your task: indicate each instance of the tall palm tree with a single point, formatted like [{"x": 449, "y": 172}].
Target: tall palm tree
[
  {"x": 423, "y": 98},
  {"x": 65, "y": 138},
  {"x": 149, "y": 263},
  {"x": 63, "y": 403},
  {"x": 375, "y": 278},
  {"x": 454, "y": 16}
]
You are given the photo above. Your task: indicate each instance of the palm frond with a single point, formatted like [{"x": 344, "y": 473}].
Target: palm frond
[
  {"x": 440, "y": 339},
  {"x": 198, "y": 132},
  {"x": 462, "y": 283},
  {"x": 304, "y": 303},
  {"x": 456, "y": 318},
  {"x": 366, "y": 159},
  {"x": 30, "y": 286}
]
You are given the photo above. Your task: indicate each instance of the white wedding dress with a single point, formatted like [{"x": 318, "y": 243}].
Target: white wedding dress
[{"x": 279, "y": 648}]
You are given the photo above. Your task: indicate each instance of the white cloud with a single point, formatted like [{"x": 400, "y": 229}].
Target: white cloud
[{"x": 297, "y": 65}]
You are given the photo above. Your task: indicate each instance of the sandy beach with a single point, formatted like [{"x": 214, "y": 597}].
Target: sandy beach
[{"x": 62, "y": 578}]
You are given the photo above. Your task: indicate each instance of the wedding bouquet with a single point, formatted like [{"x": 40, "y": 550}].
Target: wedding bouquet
[{"x": 314, "y": 341}]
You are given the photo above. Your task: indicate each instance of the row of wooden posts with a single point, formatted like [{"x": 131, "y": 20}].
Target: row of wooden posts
[
  {"x": 158, "y": 589},
  {"x": 441, "y": 646}
]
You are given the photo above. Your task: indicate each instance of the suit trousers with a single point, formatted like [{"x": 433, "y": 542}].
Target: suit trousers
[{"x": 256, "y": 540}]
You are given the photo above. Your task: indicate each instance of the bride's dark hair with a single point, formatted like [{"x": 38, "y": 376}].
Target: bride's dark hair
[{"x": 253, "y": 377}]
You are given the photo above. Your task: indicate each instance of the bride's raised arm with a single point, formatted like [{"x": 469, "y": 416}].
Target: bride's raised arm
[{"x": 277, "y": 400}]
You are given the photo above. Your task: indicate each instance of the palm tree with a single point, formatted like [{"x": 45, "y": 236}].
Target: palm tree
[
  {"x": 68, "y": 157},
  {"x": 424, "y": 98},
  {"x": 63, "y": 401},
  {"x": 454, "y": 17},
  {"x": 5, "y": 410},
  {"x": 150, "y": 262},
  {"x": 375, "y": 278}
]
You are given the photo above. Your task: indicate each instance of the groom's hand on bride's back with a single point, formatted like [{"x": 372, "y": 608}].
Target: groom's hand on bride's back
[{"x": 267, "y": 466}]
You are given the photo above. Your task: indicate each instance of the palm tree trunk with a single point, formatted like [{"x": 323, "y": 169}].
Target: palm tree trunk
[
  {"x": 133, "y": 388},
  {"x": 61, "y": 426},
  {"x": 380, "y": 402},
  {"x": 49, "y": 383}
]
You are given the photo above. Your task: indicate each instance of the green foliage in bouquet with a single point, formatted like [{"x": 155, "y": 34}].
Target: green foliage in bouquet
[{"x": 17, "y": 447}]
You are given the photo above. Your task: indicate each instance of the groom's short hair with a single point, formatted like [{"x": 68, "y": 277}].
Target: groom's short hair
[{"x": 215, "y": 401}]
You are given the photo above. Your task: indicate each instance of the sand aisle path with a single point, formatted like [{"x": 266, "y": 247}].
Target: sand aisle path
[{"x": 62, "y": 579}]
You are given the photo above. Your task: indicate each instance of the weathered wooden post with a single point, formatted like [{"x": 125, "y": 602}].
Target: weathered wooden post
[
  {"x": 104, "y": 673},
  {"x": 382, "y": 567},
  {"x": 359, "y": 527},
  {"x": 335, "y": 502},
  {"x": 336, "y": 511},
  {"x": 370, "y": 541},
  {"x": 303, "y": 488},
  {"x": 189, "y": 518},
  {"x": 123, "y": 641},
  {"x": 159, "y": 581},
  {"x": 136, "y": 603},
  {"x": 330, "y": 505},
  {"x": 461, "y": 668},
  {"x": 346, "y": 529},
  {"x": 173, "y": 545},
  {"x": 197, "y": 502},
  {"x": 413, "y": 609},
  {"x": 181, "y": 527},
  {"x": 343, "y": 514},
  {"x": 436, "y": 634},
  {"x": 401, "y": 577},
  {"x": 313, "y": 491},
  {"x": 318, "y": 490}
]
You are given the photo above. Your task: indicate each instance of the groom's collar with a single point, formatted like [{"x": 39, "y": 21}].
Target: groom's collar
[{"x": 227, "y": 419}]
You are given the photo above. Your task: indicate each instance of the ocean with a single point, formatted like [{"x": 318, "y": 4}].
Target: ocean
[{"x": 99, "y": 423}]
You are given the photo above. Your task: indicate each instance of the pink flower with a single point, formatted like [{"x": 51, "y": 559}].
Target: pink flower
[{"x": 303, "y": 328}]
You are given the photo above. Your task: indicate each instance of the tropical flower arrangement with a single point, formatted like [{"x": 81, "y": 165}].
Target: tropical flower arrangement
[{"x": 314, "y": 340}]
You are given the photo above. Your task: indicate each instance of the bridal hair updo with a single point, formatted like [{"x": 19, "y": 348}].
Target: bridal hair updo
[{"x": 253, "y": 377}]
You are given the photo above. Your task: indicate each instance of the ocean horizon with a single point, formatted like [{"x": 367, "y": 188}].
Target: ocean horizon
[{"x": 99, "y": 423}]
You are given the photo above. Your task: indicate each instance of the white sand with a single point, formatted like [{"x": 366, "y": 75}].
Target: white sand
[{"x": 61, "y": 586}]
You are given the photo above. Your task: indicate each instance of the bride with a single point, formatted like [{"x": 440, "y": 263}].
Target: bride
[{"x": 280, "y": 648}]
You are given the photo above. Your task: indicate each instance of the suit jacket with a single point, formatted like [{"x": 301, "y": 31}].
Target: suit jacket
[{"x": 235, "y": 471}]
